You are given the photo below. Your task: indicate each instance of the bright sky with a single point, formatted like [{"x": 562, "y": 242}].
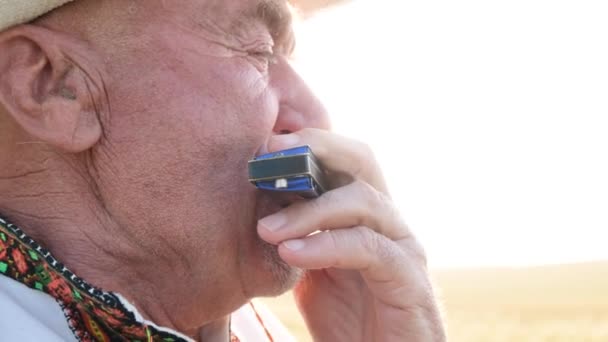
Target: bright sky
[{"x": 490, "y": 119}]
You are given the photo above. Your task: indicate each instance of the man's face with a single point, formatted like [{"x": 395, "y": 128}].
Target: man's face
[{"x": 193, "y": 96}]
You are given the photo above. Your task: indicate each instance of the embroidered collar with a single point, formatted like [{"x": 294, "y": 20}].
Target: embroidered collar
[{"x": 92, "y": 314}]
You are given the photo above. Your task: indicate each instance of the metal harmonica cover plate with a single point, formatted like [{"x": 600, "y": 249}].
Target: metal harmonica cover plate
[{"x": 293, "y": 170}]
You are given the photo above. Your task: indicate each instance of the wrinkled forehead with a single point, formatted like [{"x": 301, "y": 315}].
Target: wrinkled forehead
[
  {"x": 276, "y": 14},
  {"x": 272, "y": 12},
  {"x": 236, "y": 15}
]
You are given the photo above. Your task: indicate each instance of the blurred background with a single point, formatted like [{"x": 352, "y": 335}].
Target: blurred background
[{"x": 490, "y": 119}]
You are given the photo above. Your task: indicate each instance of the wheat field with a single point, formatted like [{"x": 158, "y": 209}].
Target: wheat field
[{"x": 565, "y": 303}]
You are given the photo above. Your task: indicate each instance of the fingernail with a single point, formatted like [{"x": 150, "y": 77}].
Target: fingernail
[
  {"x": 273, "y": 222},
  {"x": 294, "y": 245},
  {"x": 285, "y": 140}
]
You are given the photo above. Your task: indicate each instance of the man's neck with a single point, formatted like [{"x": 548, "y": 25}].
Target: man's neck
[{"x": 68, "y": 219}]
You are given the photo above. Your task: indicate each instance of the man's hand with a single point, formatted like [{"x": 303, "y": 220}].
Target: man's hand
[{"x": 367, "y": 277}]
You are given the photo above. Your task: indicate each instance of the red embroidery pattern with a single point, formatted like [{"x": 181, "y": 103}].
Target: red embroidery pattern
[{"x": 92, "y": 314}]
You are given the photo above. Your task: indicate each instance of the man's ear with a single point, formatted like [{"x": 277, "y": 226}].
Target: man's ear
[{"x": 44, "y": 88}]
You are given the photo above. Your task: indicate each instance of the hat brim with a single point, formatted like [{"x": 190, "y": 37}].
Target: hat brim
[
  {"x": 14, "y": 12},
  {"x": 309, "y": 7}
]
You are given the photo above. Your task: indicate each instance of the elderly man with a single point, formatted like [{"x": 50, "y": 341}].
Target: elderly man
[{"x": 126, "y": 213}]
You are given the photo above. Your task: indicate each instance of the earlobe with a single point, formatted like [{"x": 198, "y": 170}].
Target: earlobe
[{"x": 45, "y": 90}]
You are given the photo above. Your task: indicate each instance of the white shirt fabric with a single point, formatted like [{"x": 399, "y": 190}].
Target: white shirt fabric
[{"x": 31, "y": 315}]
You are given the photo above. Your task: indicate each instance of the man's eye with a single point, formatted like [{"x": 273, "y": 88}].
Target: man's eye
[{"x": 266, "y": 56}]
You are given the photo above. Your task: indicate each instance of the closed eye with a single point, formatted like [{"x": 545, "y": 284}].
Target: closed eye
[{"x": 266, "y": 55}]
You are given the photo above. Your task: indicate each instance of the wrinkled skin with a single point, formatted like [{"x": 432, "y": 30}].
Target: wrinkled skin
[{"x": 130, "y": 138}]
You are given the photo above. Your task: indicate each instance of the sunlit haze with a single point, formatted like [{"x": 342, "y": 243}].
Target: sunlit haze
[{"x": 489, "y": 118}]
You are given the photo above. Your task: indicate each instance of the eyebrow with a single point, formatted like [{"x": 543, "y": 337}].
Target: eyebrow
[{"x": 277, "y": 16}]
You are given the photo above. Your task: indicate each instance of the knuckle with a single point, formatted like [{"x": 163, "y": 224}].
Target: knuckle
[
  {"x": 365, "y": 150},
  {"x": 420, "y": 253},
  {"x": 368, "y": 239},
  {"x": 367, "y": 154},
  {"x": 395, "y": 217},
  {"x": 390, "y": 254},
  {"x": 373, "y": 198},
  {"x": 364, "y": 155},
  {"x": 334, "y": 239},
  {"x": 336, "y": 242},
  {"x": 379, "y": 209},
  {"x": 382, "y": 250},
  {"x": 416, "y": 251}
]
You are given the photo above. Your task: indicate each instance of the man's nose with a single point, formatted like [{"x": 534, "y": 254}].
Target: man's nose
[{"x": 298, "y": 106}]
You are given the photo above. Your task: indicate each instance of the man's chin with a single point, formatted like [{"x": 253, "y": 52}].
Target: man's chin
[
  {"x": 269, "y": 275},
  {"x": 283, "y": 277}
]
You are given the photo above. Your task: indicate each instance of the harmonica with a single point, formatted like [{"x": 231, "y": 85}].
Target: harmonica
[{"x": 295, "y": 170}]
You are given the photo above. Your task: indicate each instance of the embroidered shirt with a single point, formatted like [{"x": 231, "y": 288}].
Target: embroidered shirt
[{"x": 91, "y": 313}]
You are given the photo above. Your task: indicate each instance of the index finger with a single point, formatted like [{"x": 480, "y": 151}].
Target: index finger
[{"x": 336, "y": 153}]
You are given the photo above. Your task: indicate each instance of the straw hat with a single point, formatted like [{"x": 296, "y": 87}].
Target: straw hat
[
  {"x": 309, "y": 7},
  {"x": 13, "y": 12}
]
